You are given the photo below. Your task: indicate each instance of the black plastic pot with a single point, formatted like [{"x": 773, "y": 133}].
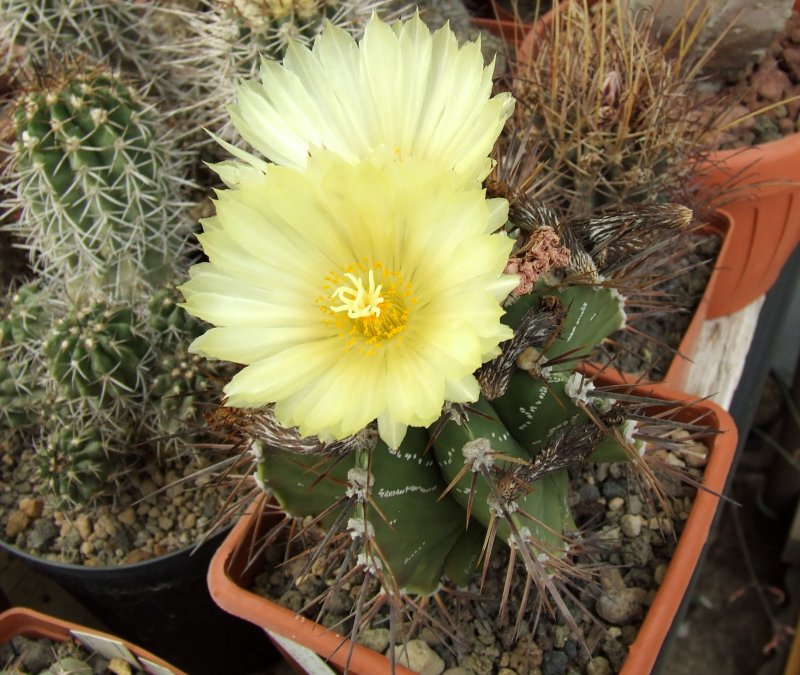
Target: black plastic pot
[{"x": 163, "y": 605}]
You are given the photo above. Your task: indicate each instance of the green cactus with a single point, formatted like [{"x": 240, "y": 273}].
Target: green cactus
[
  {"x": 20, "y": 400},
  {"x": 98, "y": 352},
  {"x": 25, "y": 319},
  {"x": 168, "y": 319},
  {"x": 78, "y": 459},
  {"x": 98, "y": 187},
  {"x": 178, "y": 391},
  {"x": 112, "y": 30}
]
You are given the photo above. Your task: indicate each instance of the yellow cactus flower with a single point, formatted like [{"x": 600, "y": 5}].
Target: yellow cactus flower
[
  {"x": 352, "y": 292},
  {"x": 401, "y": 90}
]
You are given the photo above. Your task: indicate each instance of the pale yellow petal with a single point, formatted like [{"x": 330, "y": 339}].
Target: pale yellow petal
[
  {"x": 280, "y": 375},
  {"x": 391, "y": 431}
]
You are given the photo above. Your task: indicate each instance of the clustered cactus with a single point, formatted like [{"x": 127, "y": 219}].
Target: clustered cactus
[
  {"x": 100, "y": 192},
  {"x": 87, "y": 344},
  {"x": 116, "y": 31},
  {"x": 94, "y": 347}
]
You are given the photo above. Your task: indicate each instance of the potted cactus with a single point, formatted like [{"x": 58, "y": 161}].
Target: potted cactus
[
  {"x": 754, "y": 188},
  {"x": 410, "y": 384},
  {"x": 234, "y": 569},
  {"x": 759, "y": 184},
  {"x": 602, "y": 122},
  {"x": 99, "y": 392},
  {"x": 20, "y": 622}
]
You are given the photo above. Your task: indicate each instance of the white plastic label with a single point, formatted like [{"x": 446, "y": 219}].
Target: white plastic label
[
  {"x": 111, "y": 649},
  {"x": 304, "y": 657},
  {"x": 154, "y": 668}
]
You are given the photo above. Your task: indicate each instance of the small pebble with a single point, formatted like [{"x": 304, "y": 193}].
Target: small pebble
[
  {"x": 84, "y": 526},
  {"x": 598, "y": 666},
  {"x": 17, "y": 522},
  {"x": 376, "y": 639},
  {"x": 631, "y": 524},
  {"x": 618, "y": 606},
  {"x": 127, "y": 517},
  {"x": 31, "y": 507},
  {"x": 420, "y": 658},
  {"x": 660, "y": 572},
  {"x": 616, "y": 503}
]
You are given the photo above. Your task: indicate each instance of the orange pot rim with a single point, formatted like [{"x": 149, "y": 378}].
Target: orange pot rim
[
  {"x": 29, "y": 622},
  {"x": 227, "y": 566}
]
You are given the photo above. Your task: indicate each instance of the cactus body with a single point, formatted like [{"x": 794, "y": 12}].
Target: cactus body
[
  {"x": 19, "y": 400},
  {"x": 415, "y": 532},
  {"x": 98, "y": 191},
  {"x": 77, "y": 460},
  {"x": 97, "y": 352},
  {"x": 25, "y": 318}
]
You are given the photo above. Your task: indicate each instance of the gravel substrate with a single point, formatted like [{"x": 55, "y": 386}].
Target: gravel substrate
[
  {"x": 33, "y": 656},
  {"x": 140, "y": 523},
  {"x": 776, "y": 78}
]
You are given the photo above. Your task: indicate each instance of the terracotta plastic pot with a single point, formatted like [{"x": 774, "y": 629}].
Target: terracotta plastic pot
[
  {"x": 27, "y": 622},
  {"x": 509, "y": 30},
  {"x": 766, "y": 211},
  {"x": 229, "y": 576}
]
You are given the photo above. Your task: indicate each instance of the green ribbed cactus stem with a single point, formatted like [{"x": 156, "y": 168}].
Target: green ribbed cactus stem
[
  {"x": 77, "y": 460},
  {"x": 99, "y": 185},
  {"x": 25, "y": 317},
  {"x": 98, "y": 352},
  {"x": 178, "y": 391},
  {"x": 168, "y": 319},
  {"x": 595, "y": 312},
  {"x": 20, "y": 401},
  {"x": 408, "y": 531},
  {"x": 483, "y": 444},
  {"x": 116, "y": 31}
]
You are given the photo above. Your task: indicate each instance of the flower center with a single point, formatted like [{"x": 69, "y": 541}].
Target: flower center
[
  {"x": 364, "y": 310},
  {"x": 357, "y": 301}
]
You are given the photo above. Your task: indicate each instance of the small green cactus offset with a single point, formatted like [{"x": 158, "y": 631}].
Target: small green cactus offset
[
  {"x": 25, "y": 317},
  {"x": 99, "y": 191},
  {"x": 78, "y": 460},
  {"x": 98, "y": 352}
]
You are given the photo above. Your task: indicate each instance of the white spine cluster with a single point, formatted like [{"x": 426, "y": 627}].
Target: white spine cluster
[
  {"x": 359, "y": 482},
  {"x": 578, "y": 388},
  {"x": 478, "y": 454}
]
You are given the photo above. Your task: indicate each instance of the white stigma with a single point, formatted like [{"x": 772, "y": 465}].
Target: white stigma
[{"x": 359, "y": 302}]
